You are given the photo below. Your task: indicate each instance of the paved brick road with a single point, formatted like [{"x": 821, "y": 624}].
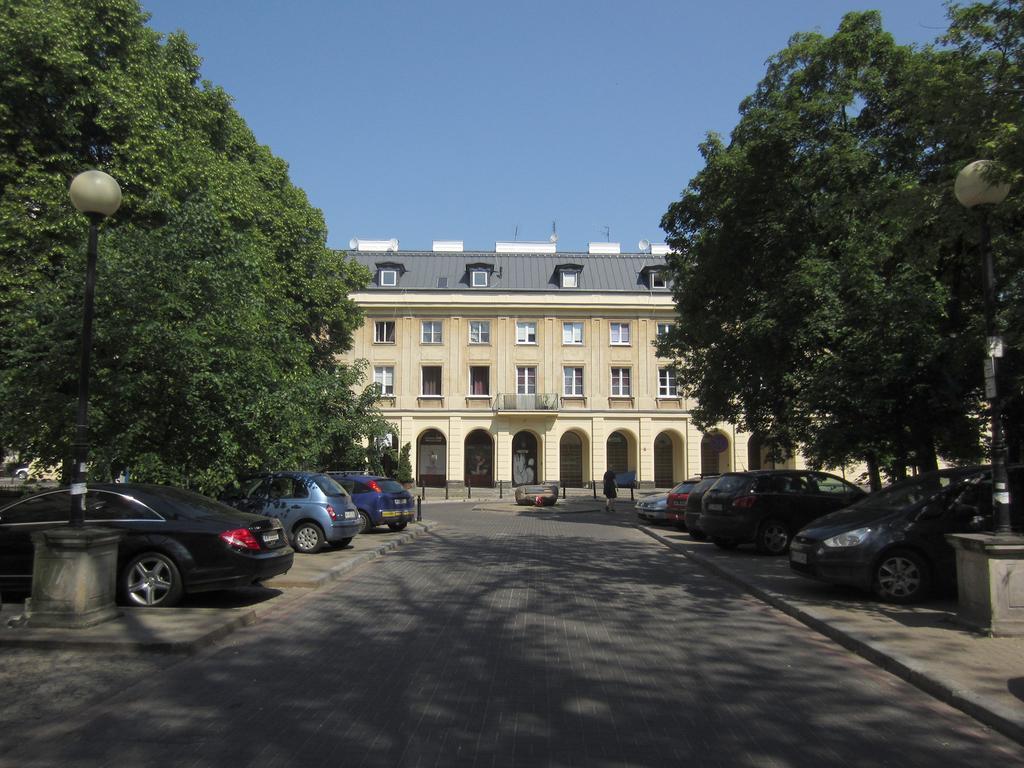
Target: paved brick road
[{"x": 527, "y": 639}]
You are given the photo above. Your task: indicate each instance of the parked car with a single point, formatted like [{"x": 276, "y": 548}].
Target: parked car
[
  {"x": 675, "y": 505},
  {"x": 768, "y": 506},
  {"x": 653, "y": 508},
  {"x": 175, "y": 542},
  {"x": 380, "y": 500},
  {"x": 20, "y": 472},
  {"x": 540, "y": 495},
  {"x": 692, "y": 515},
  {"x": 893, "y": 542},
  {"x": 312, "y": 507}
]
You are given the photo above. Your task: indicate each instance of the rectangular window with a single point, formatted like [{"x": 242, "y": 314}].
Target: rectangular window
[
  {"x": 384, "y": 377},
  {"x": 572, "y": 333},
  {"x": 526, "y": 332},
  {"x": 479, "y": 332},
  {"x": 384, "y": 332},
  {"x": 479, "y": 380},
  {"x": 667, "y": 383},
  {"x": 431, "y": 333},
  {"x": 526, "y": 380},
  {"x": 664, "y": 329},
  {"x": 570, "y": 278},
  {"x": 621, "y": 386},
  {"x": 620, "y": 334},
  {"x": 478, "y": 278},
  {"x": 431, "y": 381},
  {"x": 573, "y": 378},
  {"x": 387, "y": 278},
  {"x": 659, "y": 279}
]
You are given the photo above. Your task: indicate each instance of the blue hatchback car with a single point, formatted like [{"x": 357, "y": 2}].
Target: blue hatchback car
[
  {"x": 380, "y": 500},
  {"x": 312, "y": 508}
]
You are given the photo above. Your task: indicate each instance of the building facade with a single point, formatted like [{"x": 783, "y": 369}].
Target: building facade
[{"x": 528, "y": 365}]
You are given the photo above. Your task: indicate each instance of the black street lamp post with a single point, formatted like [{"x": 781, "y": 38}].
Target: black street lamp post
[
  {"x": 973, "y": 189},
  {"x": 97, "y": 195}
]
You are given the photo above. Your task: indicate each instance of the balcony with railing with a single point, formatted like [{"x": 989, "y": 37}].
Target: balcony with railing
[{"x": 547, "y": 401}]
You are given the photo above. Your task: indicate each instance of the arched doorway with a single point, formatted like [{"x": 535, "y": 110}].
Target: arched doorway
[
  {"x": 432, "y": 459},
  {"x": 712, "y": 447},
  {"x": 479, "y": 459},
  {"x": 570, "y": 461},
  {"x": 618, "y": 452},
  {"x": 664, "y": 461},
  {"x": 525, "y": 464}
]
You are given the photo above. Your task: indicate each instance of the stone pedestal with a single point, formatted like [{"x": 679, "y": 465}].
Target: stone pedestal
[
  {"x": 990, "y": 582},
  {"x": 73, "y": 577}
]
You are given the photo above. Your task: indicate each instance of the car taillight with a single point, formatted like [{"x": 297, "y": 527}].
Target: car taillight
[
  {"x": 241, "y": 538},
  {"x": 373, "y": 486},
  {"x": 331, "y": 512},
  {"x": 745, "y": 502}
]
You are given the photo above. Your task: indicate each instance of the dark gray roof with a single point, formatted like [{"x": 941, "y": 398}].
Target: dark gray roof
[{"x": 421, "y": 270}]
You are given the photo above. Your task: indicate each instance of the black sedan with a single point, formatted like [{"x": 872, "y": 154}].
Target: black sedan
[{"x": 175, "y": 541}]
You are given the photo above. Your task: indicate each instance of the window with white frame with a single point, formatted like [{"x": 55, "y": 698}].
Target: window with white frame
[
  {"x": 384, "y": 332},
  {"x": 431, "y": 332},
  {"x": 667, "y": 383},
  {"x": 479, "y": 332},
  {"x": 570, "y": 278},
  {"x": 621, "y": 385},
  {"x": 479, "y": 381},
  {"x": 387, "y": 278},
  {"x": 431, "y": 381},
  {"x": 478, "y": 278},
  {"x": 526, "y": 380},
  {"x": 573, "y": 382},
  {"x": 658, "y": 278},
  {"x": 526, "y": 332},
  {"x": 664, "y": 329},
  {"x": 572, "y": 333},
  {"x": 620, "y": 334},
  {"x": 384, "y": 377}
]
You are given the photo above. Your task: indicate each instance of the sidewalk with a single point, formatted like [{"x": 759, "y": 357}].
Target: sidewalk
[
  {"x": 924, "y": 645},
  {"x": 209, "y": 617}
]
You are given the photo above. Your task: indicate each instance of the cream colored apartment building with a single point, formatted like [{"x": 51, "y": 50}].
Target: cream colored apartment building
[{"x": 527, "y": 365}]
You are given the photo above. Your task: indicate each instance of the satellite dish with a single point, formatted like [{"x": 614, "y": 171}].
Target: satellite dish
[
  {"x": 353, "y": 243},
  {"x": 553, "y": 238},
  {"x": 644, "y": 245},
  {"x": 393, "y": 242}
]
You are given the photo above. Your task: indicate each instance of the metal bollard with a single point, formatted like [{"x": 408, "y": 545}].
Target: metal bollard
[
  {"x": 469, "y": 489},
  {"x": 563, "y": 491},
  {"x": 446, "y": 490},
  {"x": 501, "y": 489},
  {"x": 419, "y": 508},
  {"x": 423, "y": 491}
]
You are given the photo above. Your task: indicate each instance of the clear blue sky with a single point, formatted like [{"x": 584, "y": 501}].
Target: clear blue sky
[{"x": 467, "y": 119}]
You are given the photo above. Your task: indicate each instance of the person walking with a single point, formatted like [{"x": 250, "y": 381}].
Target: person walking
[{"x": 609, "y": 488}]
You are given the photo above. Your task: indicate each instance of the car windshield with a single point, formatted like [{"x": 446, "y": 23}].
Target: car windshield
[
  {"x": 329, "y": 485},
  {"x": 731, "y": 483},
  {"x": 908, "y": 493},
  {"x": 685, "y": 487}
]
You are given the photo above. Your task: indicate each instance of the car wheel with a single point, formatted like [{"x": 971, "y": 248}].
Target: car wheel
[
  {"x": 902, "y": 576},
  {"x": 397, "y": 526},
  {"x": 21, "y": 474},
  {"x": 307, "y": 538},
  {"x": 772, "y": 537},
  {"x": 342, "y": 543},
  {"x": 151, "y": 580},
  {"x": 698, "y": 535},
  {"x": 365, "y": 523},
  {"x": 724, "y": 543}
]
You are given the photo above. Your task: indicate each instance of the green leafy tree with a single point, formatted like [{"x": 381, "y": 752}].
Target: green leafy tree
[
  {"x": 825, "y": 298},
  {"x": 404, "y": 472},
  {"x": 220, "y": 311}
]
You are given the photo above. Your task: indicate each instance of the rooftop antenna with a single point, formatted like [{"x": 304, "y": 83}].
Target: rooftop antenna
[
  {"x": 554, "y": 232},
  {"x": 516, "y": 235},
  {"x": 607, "y": 234}
]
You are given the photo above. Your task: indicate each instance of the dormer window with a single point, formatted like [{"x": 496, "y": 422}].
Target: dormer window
[
  {"x": 658, "y": 278},
  {"x": 570, "y": 278},
  {"x": 479, "y": 278},
  {"x": 388, "y": 273}
]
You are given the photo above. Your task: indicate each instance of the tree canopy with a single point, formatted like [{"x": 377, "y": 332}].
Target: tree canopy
[
  {"x": 220, "y": 310},
  {"x": 828, "y": 284}
]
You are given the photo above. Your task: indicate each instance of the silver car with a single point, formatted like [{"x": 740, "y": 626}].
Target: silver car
[{"x": 653, "y": 508}]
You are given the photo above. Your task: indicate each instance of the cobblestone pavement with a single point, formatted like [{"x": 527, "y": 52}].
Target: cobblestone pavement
[{"x": 517, "y": 638}]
